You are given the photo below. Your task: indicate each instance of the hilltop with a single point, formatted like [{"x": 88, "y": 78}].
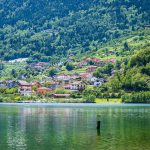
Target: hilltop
[{"x": 46, "y": 30}]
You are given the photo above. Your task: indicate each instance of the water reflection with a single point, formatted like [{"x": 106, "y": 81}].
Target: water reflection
[
  {"x": 16, "y": 133},
  {"x": 42, "y": 128}
]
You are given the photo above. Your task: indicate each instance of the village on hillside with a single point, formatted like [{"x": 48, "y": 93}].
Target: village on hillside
[{"x": 62, "y": 84}]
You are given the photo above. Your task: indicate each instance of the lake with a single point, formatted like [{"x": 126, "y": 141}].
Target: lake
[{"x": 73, "y": 127}]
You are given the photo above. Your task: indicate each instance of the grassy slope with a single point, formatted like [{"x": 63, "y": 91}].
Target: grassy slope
[{"x": 136, "y": 41}]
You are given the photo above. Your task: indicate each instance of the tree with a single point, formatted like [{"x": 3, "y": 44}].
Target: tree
[
  {"x": 126, "y": 46},
  {"x": 52, "y": 72},
  {"x": 107, "y": 69},
  {"x": 50, "y": 33},
  {"x": 14, "y": 73},
  {"x": 90, "y": 98},
  {"x": 1, "y": 66},
  {"x": 69, "y": 66}
]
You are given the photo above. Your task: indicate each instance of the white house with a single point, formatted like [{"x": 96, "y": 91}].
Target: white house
[
  {"x": 77, "y": 86},
  {"x": 97, "y": 81}
]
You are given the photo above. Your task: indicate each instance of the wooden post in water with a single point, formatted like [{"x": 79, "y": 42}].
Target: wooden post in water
[
  {"x": 98, "y": 122},
  {"x": 98, "y": 125}
]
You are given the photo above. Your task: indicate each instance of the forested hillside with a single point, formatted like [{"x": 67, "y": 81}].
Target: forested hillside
[{"x": 43, "y": 28}]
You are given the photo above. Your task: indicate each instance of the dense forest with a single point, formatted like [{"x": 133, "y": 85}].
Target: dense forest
[{"x": 43, "y": 28}]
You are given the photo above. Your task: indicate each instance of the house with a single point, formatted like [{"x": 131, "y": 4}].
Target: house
[
  {"x": 77, "y": 86},
  {"x": 36, "y": 84},
  {"x": 43, "y": 90},
  {"x": 11, "y": 83},
  {"x": 2, "y": 84},
  {"x": 46, "y": 79},
  {"x": 93, "y": 79},
  {"x": 24, "y": 88},
  {"x": 40, "y": 66},
  {"x": 64, "y": 79},
  {"x": 67, "y": 87},
  {"x": 74, "y": 76},
  {"x": 91, "y": 69},
  {"x": 97, "y": 81},
  {"x": 111, "y": 60},
  {"x": 61, "y": 95},
  {"x": 97, "y": 61},
  {"x": 85, "y": 76},
  {"x": 8, "y": 84},
  {"x": 53, "y": 85}
]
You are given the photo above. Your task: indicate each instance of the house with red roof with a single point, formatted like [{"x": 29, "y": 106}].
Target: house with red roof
[
  {"x": 24, "y": 88},
  {"x": 91, "y": 69},
  {"x": 43, "y": 90},
  {"x": 85, "y": 76},
  {"x": 111, "y": 60},
  {"x": 96, "y": 61}
]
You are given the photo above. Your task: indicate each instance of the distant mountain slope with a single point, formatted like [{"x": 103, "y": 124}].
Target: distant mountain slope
[{"x": 43, "y": 28}]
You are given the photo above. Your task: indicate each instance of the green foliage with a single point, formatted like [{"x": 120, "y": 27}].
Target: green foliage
[
  {"x": 8, "y": 90},
  {"x": 69, "y": 66},
  {"x": 107, "y": 69},
  {"x": 135, "y": 75},
  {"x": 52, "y": 72},
  {"x": 60, "y": 91},
  {"x": 141, "y": 58},
  {"x": 126, "y": 46},
  {"x": 76, "y": 95},
  {"x": 146, "y": 69},
  {"x": 1, "y": 66},
  {"x": 140, "y": 97},
  {"x": 43, "y": 28},
  {"x": 14, "y": 73},
  {"x": 90, "y": 98}
]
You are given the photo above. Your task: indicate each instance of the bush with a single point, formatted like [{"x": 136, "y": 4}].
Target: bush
[
  {"x": 1, "y": 99},
  {"x": 17, "y": 98},
  {"x": 52, "y": 72},
  {"x": 90, "y": 98},
  {"x": 76, "y": 95},
  {"x": 141, "y": 97},
  {"x": 60, "y": 91}
]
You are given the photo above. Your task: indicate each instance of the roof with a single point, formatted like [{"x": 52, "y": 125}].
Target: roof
[
  {"x": 85, "y": 75},
  {"x": 96, "y": 60},
  {"x": 67, "y": 86},
  {"x": 92, "y": 67},
  {"x": 77, "y": 82},
  {"x": 43, "y": 88},
  {"x": 61, "y": 94},
  {"x": 53, "y": 83},
  {"x": 24, "y": 83},
  {"x": 112, "y": 60}
]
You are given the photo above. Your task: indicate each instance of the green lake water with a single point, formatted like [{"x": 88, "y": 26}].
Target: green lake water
[{"x": 73, "y": 127}]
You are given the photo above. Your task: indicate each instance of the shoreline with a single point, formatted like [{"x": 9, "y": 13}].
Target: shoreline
[{"x": 78, "y": 104}]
